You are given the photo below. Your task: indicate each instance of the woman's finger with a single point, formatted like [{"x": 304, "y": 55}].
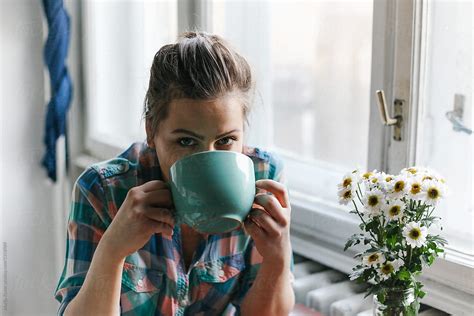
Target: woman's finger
[
  {"x": 253, "y": 229},
  {"x": 266, "y": 222},
  {"x": 277, "y": 189},
  {"x": 159, "y": 198},
  {"x": 160, "y": 227},
  {"x": 272, "y": 207},
  {"x": 153, "y": 185},
  {"x": 159, "y": 214}
]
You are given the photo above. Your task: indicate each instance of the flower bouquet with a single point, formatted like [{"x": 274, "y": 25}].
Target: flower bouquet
[{"x": 396, "y": 214}]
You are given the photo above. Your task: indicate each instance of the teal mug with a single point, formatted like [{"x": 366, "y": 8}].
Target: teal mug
[{"x": 213, "y": 191}]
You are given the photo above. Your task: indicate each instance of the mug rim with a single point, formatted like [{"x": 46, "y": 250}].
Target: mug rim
[{"x": 207, "y": 152}]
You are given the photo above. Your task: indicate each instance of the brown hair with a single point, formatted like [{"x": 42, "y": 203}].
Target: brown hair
[{"x": 198, "y": 66}]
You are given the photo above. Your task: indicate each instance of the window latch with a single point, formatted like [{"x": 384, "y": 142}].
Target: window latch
[
  {"x": 397, "y": 120},
  {"x": 455, "y": 116}
]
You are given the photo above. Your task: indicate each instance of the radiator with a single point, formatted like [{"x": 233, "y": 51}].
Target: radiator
[{"x": 325, "y": 291}]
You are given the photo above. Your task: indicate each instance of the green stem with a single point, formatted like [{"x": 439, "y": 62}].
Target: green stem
[
  {"x": 409, "y": 256},
  {"x": 359, "y": 197},
  {"x": 365, "y": 224}
]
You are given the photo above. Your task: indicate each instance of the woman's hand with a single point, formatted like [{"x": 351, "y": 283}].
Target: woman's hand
[
  {"x": 268, "y": 223},
  {"x": 145, "y": 211}
]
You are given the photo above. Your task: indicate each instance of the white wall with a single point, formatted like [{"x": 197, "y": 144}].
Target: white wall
[{"x": 32, "y": 227}]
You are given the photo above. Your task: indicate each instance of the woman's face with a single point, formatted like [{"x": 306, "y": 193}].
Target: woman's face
[{"x": 197, "y": 125}]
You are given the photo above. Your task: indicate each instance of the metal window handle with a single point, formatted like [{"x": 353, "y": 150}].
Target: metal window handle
[
  {"x": 456, "y": 115},
  {"x": 397, "y": 120},
  {"x": 386, "y": 119}
]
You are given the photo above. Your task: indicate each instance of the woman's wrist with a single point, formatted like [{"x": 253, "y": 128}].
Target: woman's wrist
[
  {"x": 280, "y": 260},
  {"x": 107, "y": 247},
  {"x": 277, "y": 263}
]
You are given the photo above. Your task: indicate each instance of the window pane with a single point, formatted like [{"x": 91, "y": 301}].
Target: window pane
[
  {"x": 316, "y": 57},
  {"x": 321, "y": 58},
  {"x": 448, "y": 84},
  {"x": 121, "y": 39}
]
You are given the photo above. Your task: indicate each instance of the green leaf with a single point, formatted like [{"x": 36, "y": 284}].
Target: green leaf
[
  {"x": 391, "y": 241},
  {"x": 404, "y": 275},
  {"x": 349, "y": 243}
]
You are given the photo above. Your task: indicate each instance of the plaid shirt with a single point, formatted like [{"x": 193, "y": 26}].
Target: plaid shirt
[{"x": 154, "y": 280}]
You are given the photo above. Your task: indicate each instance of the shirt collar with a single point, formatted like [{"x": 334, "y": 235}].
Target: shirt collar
[{"x": 145, "y": 160}]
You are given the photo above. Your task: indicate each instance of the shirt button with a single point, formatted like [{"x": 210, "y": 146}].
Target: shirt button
[
  {"x": 140, "y": 282},
  {"x": 221, "y": 273}
]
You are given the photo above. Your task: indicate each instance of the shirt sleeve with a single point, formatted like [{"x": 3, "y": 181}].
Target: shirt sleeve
[
  {"x": 85, "y": 227},
  {"x": 253, "y": 259}
]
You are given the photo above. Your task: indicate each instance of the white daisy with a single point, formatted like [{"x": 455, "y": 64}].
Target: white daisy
[
  {"x": 375, "y": 181},
  {"x": 373, "y": 202},
  {"x": 409, "y": 171},
  {"x": 431, "y": 174},
  {"x": 373, "y": 259},
  {"x": 346, "y": 195},
  {"x": 385, "y": 179},
  {"x": 388, "y": 268},
  {"x": 433, "y": 191},
  {"x": 349, "y": 180},
  {"x": 398, "y": 187},
  {"x": 415, "y": 235},
  {"x": 394, "y": 209},
  {"x": 415, "y": 189},
  {"x": 412, "y": 171},
  {"x": 365, "y": 176}
]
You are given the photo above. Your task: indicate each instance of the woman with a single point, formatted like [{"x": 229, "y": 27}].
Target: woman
[{"x": 124, "y": 252}]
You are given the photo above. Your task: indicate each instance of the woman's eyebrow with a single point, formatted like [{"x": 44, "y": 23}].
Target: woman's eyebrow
[
  {"x": 226, "y": 133},
  {"x": 185, "y": 131}
]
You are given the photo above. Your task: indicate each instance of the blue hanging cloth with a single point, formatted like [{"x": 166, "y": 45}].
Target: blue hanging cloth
[{"x": 55, "y": 53}]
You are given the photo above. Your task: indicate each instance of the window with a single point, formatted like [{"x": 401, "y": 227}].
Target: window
[
  {"x": 313, "y": 66},
  {"x": 446, "y": 92},
  {"x": 120, "y": 40}
]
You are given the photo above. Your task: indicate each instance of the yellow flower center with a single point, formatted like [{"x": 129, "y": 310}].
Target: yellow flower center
[
  {"x": 373, "y": 257},
  {"x": 388, "y": 179},
  {"x": 415, "y": 188},
  {"x": 348, "y": 194},
  {"x": 433, "y": 193},
  {"x": 399, "y": 186},
  {"x": 415, "y": 233},
  {"x": 394, "y": 210},
  {"x": 373, "y": 200},
  {"x": 347, "y": 182},
  {"x": 387, "y": 268},
  {"x": 412, "y": 170},
  {"x": 427, "y": 178},
  {"x": 367, "y": 175},
  {"x": 375, "y": 180}
]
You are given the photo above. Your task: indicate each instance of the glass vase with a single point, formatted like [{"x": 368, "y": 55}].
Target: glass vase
[{"x": 396, "y": 302}]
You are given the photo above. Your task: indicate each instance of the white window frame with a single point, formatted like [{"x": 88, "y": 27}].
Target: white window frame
[
  {"x": 319, "y": 228},
  {"x": 317, "y": 225}
]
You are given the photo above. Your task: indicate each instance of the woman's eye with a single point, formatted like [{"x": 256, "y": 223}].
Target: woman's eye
[
  {"x": 186, "y": 142},
  {"x": 226, "y": 141}
]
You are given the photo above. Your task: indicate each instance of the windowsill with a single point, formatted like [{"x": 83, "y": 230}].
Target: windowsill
[{"x": 319, "y": 232}]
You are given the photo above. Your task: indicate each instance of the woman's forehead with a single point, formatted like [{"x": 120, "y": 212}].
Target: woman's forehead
[{"x": 221, "y": 113}]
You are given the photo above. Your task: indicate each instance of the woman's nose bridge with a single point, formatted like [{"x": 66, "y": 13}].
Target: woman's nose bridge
[
  {"x": 210, "y": 147},
  {"x": 207, "y": 146}
]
